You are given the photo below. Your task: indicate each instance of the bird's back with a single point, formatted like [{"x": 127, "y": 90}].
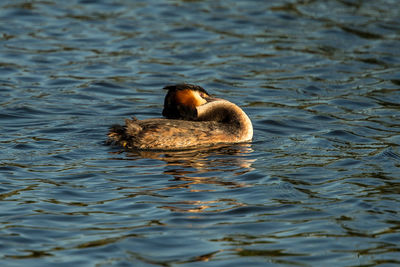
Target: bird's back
[{"x": 167, "y": 134}]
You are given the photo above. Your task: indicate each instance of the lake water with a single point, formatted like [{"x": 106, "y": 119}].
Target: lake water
[{"x": 318, "y": 186}]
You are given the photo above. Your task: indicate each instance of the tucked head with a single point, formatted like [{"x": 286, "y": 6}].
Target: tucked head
[{"x": 182, "y": 99}]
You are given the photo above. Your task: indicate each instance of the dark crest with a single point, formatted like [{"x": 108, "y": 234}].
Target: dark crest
[
  {"x": 175, "y": 110},
  {"x": 184, "y": 86}
]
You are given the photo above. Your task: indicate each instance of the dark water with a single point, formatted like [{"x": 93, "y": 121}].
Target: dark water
[{"x": 319, "y": 185}]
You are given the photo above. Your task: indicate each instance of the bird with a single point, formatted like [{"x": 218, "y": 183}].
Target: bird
[{"x": 193, "y": 119}]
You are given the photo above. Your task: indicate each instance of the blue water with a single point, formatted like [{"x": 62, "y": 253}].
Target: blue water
[{"x": 318, "y": 186}]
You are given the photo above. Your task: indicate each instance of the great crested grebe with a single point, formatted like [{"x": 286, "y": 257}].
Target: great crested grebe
[{"x": 193, "y": 119}]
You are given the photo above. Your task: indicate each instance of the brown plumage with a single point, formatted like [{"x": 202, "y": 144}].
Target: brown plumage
[{"x": 193, "y": 119}]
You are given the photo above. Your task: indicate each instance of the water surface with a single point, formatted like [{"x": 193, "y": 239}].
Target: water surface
[{"x": 318, "y": 186}]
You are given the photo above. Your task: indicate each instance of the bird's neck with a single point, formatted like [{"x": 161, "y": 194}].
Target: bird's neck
[{"x": 226, "y": 112}]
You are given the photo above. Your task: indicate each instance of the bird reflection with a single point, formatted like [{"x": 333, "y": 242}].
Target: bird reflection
[
  {"x": 223, "y": 156},
  {"x": 192, "y": 168}
]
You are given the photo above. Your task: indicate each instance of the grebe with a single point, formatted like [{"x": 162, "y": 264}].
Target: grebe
[{"x": 193, "y": 119}]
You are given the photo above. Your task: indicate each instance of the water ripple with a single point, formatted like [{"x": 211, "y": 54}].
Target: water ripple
[{"x": 317, "y": 186}]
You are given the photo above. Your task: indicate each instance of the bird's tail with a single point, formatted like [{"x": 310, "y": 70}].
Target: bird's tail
[{"x": 122, "y": 135}]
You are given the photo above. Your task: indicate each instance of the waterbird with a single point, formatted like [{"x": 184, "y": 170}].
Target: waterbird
[{"x": 193, "y": 119}]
